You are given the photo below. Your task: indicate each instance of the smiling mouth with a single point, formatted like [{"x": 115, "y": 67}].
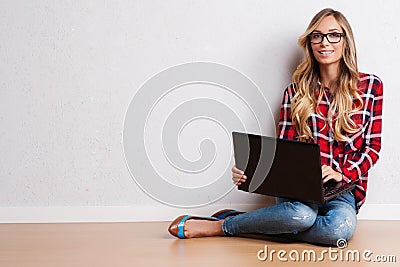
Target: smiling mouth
[{"x": 325, "y": 52}]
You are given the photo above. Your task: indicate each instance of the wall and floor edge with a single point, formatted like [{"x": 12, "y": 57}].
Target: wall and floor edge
[{"x": 142, "y": 213}]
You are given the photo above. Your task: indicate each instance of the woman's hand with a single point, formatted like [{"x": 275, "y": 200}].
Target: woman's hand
[
  {"x": 238, "y": 176},
  {"x": 330, "y": 174}
]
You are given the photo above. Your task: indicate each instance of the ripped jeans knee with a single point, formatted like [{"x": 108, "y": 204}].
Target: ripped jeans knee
[{"x": 300, "y": 216}]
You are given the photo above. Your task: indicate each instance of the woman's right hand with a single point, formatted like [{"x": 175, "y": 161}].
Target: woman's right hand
[{"x": 238, "y": 176}]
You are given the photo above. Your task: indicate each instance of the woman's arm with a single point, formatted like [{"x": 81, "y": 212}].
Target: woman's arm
[
  {"x": 286, "y": 128},
  {"x": 358, "y": 163}
]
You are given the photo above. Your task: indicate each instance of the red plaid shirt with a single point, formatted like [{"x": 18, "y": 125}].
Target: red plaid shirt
[{"x": 354, "y": 158}]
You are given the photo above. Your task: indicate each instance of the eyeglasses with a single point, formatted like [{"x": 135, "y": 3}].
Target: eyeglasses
[{"x": 332, "y": 37}]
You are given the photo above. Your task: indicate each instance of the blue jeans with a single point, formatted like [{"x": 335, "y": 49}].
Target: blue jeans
[{"x": 312, "y": 223}]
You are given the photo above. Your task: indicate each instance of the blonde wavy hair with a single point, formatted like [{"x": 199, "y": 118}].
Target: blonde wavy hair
[{"x": 306, "y": 78}]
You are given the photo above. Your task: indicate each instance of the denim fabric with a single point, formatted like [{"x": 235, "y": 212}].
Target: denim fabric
[{"x": 319, "y": 224}]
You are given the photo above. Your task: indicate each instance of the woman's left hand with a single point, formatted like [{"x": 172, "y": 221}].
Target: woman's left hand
[{"x": 330, "y": 174}]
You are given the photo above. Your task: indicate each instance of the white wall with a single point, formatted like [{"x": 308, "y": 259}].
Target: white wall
[{"x": 69, "y": 70}]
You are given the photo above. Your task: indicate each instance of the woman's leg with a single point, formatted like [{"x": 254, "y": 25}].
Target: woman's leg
[
  {"x": 336, "y": 220},
  {"x": 287, "y": 216}
]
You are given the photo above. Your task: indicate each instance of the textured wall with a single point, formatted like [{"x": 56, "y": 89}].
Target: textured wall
[{"x": 69, "y": 70}]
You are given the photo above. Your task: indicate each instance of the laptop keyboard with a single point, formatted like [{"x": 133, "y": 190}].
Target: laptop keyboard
[{"x": 332, "y": 190}]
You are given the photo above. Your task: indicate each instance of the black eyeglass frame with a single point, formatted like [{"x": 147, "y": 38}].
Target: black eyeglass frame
[{"x": 325, "y": 35}]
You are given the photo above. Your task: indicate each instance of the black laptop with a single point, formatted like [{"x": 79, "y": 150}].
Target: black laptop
[{"x": 283, "y": 168}]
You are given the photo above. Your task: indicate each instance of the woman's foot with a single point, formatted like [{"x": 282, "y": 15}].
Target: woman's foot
[
  {"x": 187, "y": 226},
  {"x": 203, "y": 228}
]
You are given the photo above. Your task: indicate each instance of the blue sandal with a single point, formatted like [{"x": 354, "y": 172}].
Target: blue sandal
[{"x": 176, "y": 228}]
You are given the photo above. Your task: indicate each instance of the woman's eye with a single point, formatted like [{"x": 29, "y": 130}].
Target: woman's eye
[
  {"x": 316, "y": 35},
  {"x": 334, "y": 34}
]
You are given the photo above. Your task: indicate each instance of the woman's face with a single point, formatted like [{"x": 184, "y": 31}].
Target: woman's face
[{"x": 325, "y": 52}]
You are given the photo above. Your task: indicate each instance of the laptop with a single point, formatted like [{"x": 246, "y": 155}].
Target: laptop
[{"x": 284, "y": 168}]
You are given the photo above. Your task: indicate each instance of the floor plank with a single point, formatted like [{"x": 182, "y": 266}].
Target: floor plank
[{"x": 149, "y": 244}]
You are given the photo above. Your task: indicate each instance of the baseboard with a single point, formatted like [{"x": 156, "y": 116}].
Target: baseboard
[{"x": 149, "y": 213}]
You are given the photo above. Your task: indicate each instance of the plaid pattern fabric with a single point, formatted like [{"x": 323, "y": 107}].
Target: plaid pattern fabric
[{"x": 354, "y": 158}]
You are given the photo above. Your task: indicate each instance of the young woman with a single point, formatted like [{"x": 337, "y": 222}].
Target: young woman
[{"x": 329, "y": 103}]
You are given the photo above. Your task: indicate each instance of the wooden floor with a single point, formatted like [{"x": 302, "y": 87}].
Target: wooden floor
[{"x": 149, "y": 244}]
